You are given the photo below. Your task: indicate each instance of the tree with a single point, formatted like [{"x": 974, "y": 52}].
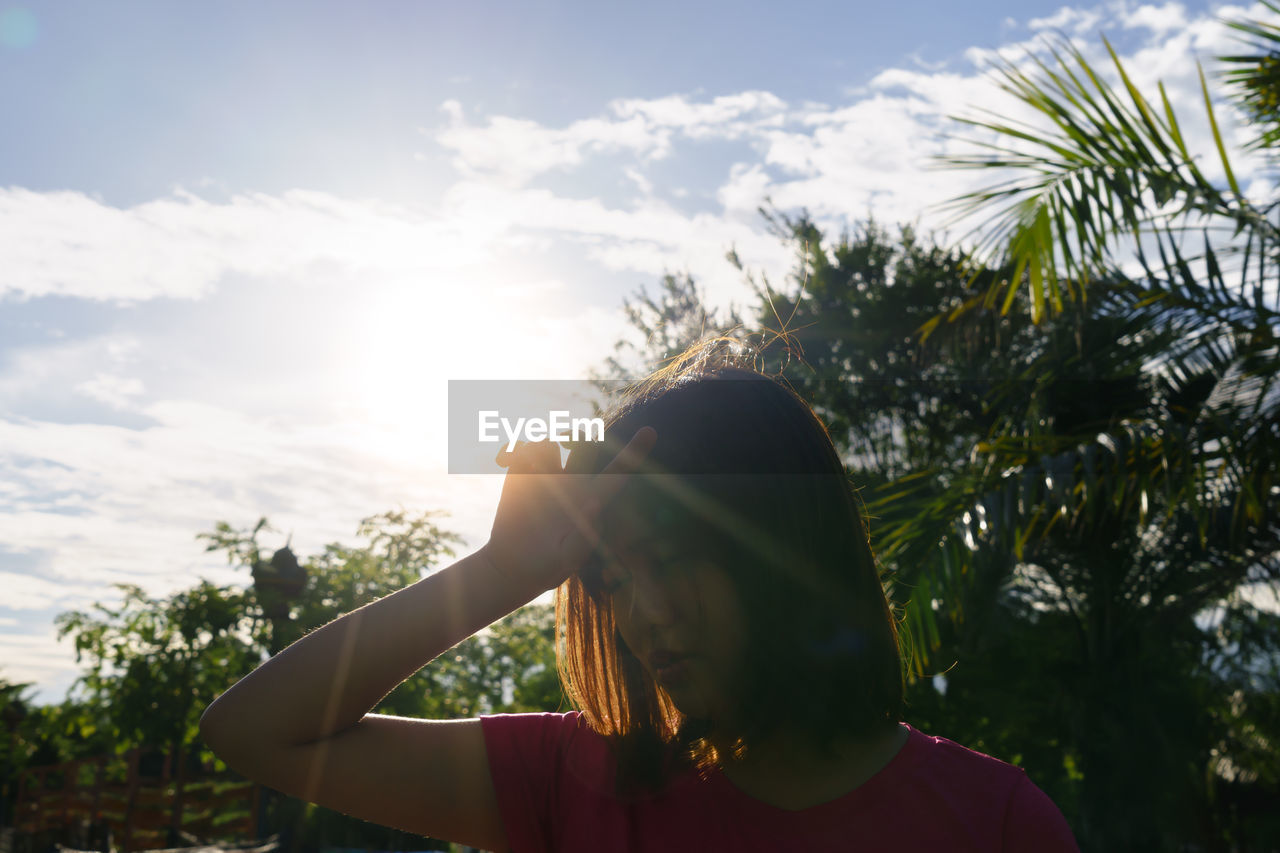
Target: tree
[
  {"x": 669, "y": 324},
  {"x": 1115, "y": 175},
  {"x": 1183, "y": 478},
  {"x": 152, "y": 664},
  {"x": 14, "y": 709},
  {"x": 502, "y": 669}
]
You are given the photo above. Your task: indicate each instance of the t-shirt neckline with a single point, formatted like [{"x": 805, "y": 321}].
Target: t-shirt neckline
[{"x": 885, "y": 781}]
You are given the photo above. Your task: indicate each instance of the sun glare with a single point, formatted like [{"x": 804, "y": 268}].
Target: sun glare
[{"x": 416, "y": 337}]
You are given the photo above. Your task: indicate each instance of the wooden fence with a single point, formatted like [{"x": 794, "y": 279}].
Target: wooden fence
[{"x": 144, "y": 800}]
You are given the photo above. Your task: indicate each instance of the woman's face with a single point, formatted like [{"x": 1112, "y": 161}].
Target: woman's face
[{"x": 678, "y": 612}]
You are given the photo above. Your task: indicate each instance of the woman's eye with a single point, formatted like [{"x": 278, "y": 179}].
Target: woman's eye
[
  {"x": 613, "y": 579},
  {"x": 673, "y": 557}
]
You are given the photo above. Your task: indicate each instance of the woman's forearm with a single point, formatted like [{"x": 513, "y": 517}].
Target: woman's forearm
[
  {"x": 326, "y": 682},
  {"x": 329, "y": 679}
]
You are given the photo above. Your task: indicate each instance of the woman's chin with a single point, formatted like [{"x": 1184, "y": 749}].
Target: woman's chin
[{"x": 697, "y": 709}]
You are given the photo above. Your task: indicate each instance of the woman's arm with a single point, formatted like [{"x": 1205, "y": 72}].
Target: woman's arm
[{"x": 300, "y": 722}]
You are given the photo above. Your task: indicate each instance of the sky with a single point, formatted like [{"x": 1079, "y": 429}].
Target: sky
[{"x": 245, "y": 245}]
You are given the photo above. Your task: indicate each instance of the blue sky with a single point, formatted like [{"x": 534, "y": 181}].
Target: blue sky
[{"x": 245, "y": 245}]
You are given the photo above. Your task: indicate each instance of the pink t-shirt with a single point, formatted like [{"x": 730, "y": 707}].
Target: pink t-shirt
[{"x": 554, "y": 782}]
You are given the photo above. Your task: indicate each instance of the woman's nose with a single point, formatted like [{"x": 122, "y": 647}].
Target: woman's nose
[{"x": 652, "y": 599}]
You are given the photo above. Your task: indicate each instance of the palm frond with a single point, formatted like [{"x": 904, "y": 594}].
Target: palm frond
[
  {"x": 1194, "y": 458},
  {"x": 1112, "y": 169},
  {"x": 1255, "y": 77}
]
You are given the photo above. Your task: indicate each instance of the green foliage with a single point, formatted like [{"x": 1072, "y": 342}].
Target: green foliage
[
  {"x": 1113, "y": 171},
  {"x": 509, "y": 668},
  {"x": 849, "y": 345},
  {"x": 677, "y": 318},
  {"x": 1255, "y": 78},
  {"x": 14, "y": 710},
  {"x": 152, "y": 664},
  {"x": 1144, "y": 509},
  {"x": 401, "y": 549}
]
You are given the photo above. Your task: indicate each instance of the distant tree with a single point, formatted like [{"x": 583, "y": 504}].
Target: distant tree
[
  {"x": 668, "y": 323},
  {"x": 15, "y": 708},
  {"x": 152, "y": 664},
  {"x": 504, "y": 668}
]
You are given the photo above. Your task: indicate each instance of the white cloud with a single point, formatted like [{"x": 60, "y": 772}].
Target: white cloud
[
  {"x": 872, "y": 156},
  {"x": 1157, "y": 19},
  {"x": 116, "y": 391},
  {"x": 68, "y": 244},
  {"x": 38, "y": 369},
  {"x": 726, "y": 116},
  {"x": 740, "y": 196},
  {"x": 104, "y": 503},
  {"x": 512, "y": 151},
  {"x": 643, "y": 184},
  {"x": 150, "y": 491},
  {"x": 1073, "y": 20},
  {"x": 648, "y": 237},
  {"x": 29, "y": 592},
  {"x": 38, "y": 658}
]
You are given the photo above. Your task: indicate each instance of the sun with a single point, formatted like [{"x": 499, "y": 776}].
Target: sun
[{"x": 415, "y": 336}]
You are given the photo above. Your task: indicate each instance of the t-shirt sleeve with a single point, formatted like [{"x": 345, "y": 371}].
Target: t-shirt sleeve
[
  {"x": 525, "y": 753},
  {"x": 1033, "y": 824}
]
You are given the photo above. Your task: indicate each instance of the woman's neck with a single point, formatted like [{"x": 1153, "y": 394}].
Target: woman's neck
[{"x": 792, "y": 772}]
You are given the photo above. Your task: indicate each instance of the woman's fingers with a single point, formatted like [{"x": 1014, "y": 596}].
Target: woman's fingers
[
  {"x": 552, "y": 503},
  {"x": 584, "y": 512},
  {"x": 531, "y": 457},
  {"x": 617, "y": 472}
]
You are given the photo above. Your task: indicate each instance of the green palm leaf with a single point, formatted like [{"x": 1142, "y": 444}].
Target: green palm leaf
[
  {"x": 1111, "y": 170},
  {"x": 1256, "y": 78}
]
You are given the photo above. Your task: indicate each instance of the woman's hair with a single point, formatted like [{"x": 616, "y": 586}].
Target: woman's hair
[{"x": 744, "y": 471}]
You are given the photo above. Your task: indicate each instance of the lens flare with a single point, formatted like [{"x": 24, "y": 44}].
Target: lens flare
[{"x": 18, "y": 28}]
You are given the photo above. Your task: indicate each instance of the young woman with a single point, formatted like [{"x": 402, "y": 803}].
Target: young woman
[{"x": 721, "y": 628}]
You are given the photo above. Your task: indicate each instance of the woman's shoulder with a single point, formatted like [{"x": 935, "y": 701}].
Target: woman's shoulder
[
  {"x": 538, "y": 736},
  {"x": 944, "y": 753},
  {"x": 967, "y": 782},
  {"x": 547, "y": 747},
  {"x": 543, "y": 731},
  {"x": 955, "y": 771},
  {"x": 545, "y": 723},
  {"x": 553, "y": 777}
]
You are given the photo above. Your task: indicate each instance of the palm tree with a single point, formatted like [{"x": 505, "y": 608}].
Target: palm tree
[{"x": 1129, "y": 482}]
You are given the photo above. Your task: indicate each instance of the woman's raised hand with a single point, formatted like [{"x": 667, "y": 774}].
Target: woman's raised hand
[
  {"x": 300, "y": 723},
  {"x": 544, "y": 529}
]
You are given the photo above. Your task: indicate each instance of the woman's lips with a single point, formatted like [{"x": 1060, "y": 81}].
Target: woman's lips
[{"x": 670, "y": 666}]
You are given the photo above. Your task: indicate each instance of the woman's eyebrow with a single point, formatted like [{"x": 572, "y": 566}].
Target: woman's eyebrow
[
  {"x": 635, "y": 546},
  {"x": 629, "y": 540}
]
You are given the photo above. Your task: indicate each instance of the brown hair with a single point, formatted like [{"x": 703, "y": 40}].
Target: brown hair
[{"x": 743, "y": 461}]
